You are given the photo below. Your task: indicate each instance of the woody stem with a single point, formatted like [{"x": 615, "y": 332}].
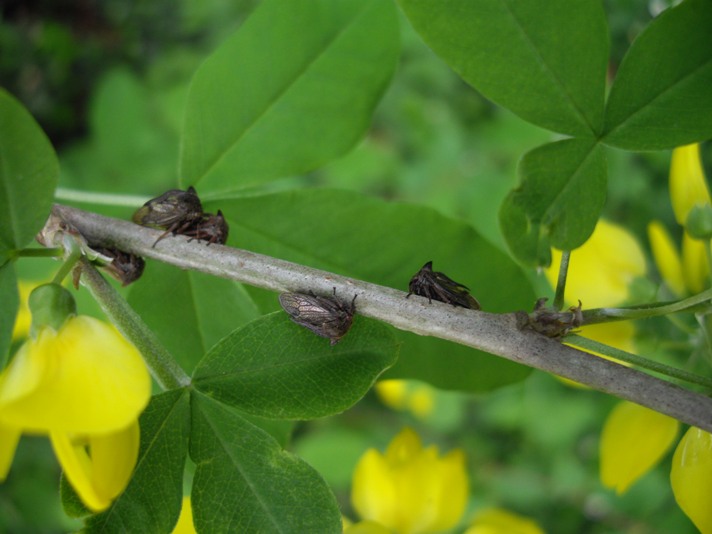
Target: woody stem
[{"x": 497, "y": 334}]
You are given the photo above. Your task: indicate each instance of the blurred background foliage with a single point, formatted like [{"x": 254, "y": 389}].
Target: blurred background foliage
[{"x": 107, "y": 82}]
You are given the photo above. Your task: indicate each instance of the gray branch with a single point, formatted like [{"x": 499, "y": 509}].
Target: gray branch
[{"x": 496, "y": 334}]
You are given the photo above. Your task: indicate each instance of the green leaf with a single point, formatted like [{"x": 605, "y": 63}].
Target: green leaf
[
  {"x": 294, "y": 87},
  {"x": 545, "y": 61},
  {"x": 126, "y": 124},
  {"x": 244, "y": 482},
  {"x": 559, "y": 199},
  {"x": 275, "y": 368},
  {"x": 189, "y": 311},
  {"x": 10, "y": 300},
  {"x": 387, "y": 243},
  {"x": 28, "y": 175},
  {"x": 152, "y": 500},
  {"x": 661, "y": 95}
]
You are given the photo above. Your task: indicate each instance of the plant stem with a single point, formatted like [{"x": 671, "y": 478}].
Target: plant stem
[
  {"x": 705, "y": 320},
  {"x": 160, "y": 362},
  {"x": 607, "y": 350},
  {"x": 561, "y": 280},
  {"x": 497, "y": 334},
  {"x": 104, "y": 199},
  {"x": 604, "y": 315},
  {"x": 69, "y": 263}
]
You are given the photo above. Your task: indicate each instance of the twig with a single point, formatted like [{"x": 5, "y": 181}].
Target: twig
[
  {"x": 494, "y": 333},
  {"x": 161, "y": 364}
]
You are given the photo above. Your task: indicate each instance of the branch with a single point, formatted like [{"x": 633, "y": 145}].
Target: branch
[{"x": 493, "y": 333}]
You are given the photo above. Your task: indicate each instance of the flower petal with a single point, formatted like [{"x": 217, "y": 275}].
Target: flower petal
[
  {"x": 601, "y": 270},
  {"x": 23, "y": 376},
  {"x": 418, "y": 487},
  {"x": 666, "y": 257},
  {"x": 691, "y": 477},
  {"x": 185, "y": 520},
  {"x": 9, "y": 437},
  {"x": 392, "y": 393},
  {"x": 687, "y": 181},
  {"x": 407, "y": 395},
  {"x": 23, "y": 320},
  {"x": 77, "y": 467},
  {"x": 421, "y": 401},
  {"x": 404, "y": 447},
  {"x": 499, "y": 521},
  {"x": 411, "y": 489},
  {"x": 84, "y": 379},
  {"x": 113, "y": 459},
  {"x": 372, "y": 492},
  {"x": 103, "y": 471},
  {"x": 633, "y": 440},
  {"x": 454, "y": 490},
  {"x": 694, "y": 263}
]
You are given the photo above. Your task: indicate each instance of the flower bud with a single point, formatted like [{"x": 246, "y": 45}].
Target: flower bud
[
  {"x": 51, "y": 305},
  {"x": 699, "y": 221}
]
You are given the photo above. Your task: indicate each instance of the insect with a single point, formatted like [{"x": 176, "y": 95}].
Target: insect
[
  {"x": 121, "y": 266},
  {"x": 434, "y": 285},
  {"x": 327, "y": 317},
  {"x": 174, "y": 211},
  {"x": 551, "y": 323},
  {"x": 210, "y": 228},
  {"x": 124, "y": 267}
]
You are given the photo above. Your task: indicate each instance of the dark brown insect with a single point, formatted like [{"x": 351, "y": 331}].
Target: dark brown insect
[
  {"x": 210, "y": 228},
  {"x": 174, "y": 211},
  {"x": 327, "y": 317},
  {"x": 434, "y": 285},
  {"x": 551, "y": 323},
  {"x": 121, "y": 266},
  {"x": 124, "y": 267}
]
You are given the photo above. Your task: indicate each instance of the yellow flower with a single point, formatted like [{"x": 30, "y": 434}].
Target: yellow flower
[
  {"x": 600, "y": 275},
  {"x": 83, "y": 385},
  {"x": 687, "y": 181},
  {"x": 402, "y": 395},
  {"x": 633, "y": 441},
  {"x": 688, "y": 188},
  {"x": 683, "y": 275},
  {"x": 667, "y": 258},
  {"x": 691, "y": 477},
  {"x": 694, "y": 263},
  {"x": 410, "y": 489},
  {"x": 602, "y": 269},
  {"x": 23, "y": 318},
  {"x": 498, "y": 521},
  {"x": 185, "y": 521}
]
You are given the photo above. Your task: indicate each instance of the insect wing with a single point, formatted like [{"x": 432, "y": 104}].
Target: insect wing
[
  {"x": 326, "y": 317},
  {"x": 457, "y": 293},
  {"x": 171, "y": 208},
  {"x": 304, "y": 307}
]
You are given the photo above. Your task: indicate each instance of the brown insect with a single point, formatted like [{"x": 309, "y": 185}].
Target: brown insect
[
  {"x": 124, "y": 267},
  {"x": 438, "y": 286},
  {"x": 551, "y": 323},
  {"x": 174, "y": 211},
  {"x": 327, "y": 317},
  {"x": 210, "y": 228}
]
